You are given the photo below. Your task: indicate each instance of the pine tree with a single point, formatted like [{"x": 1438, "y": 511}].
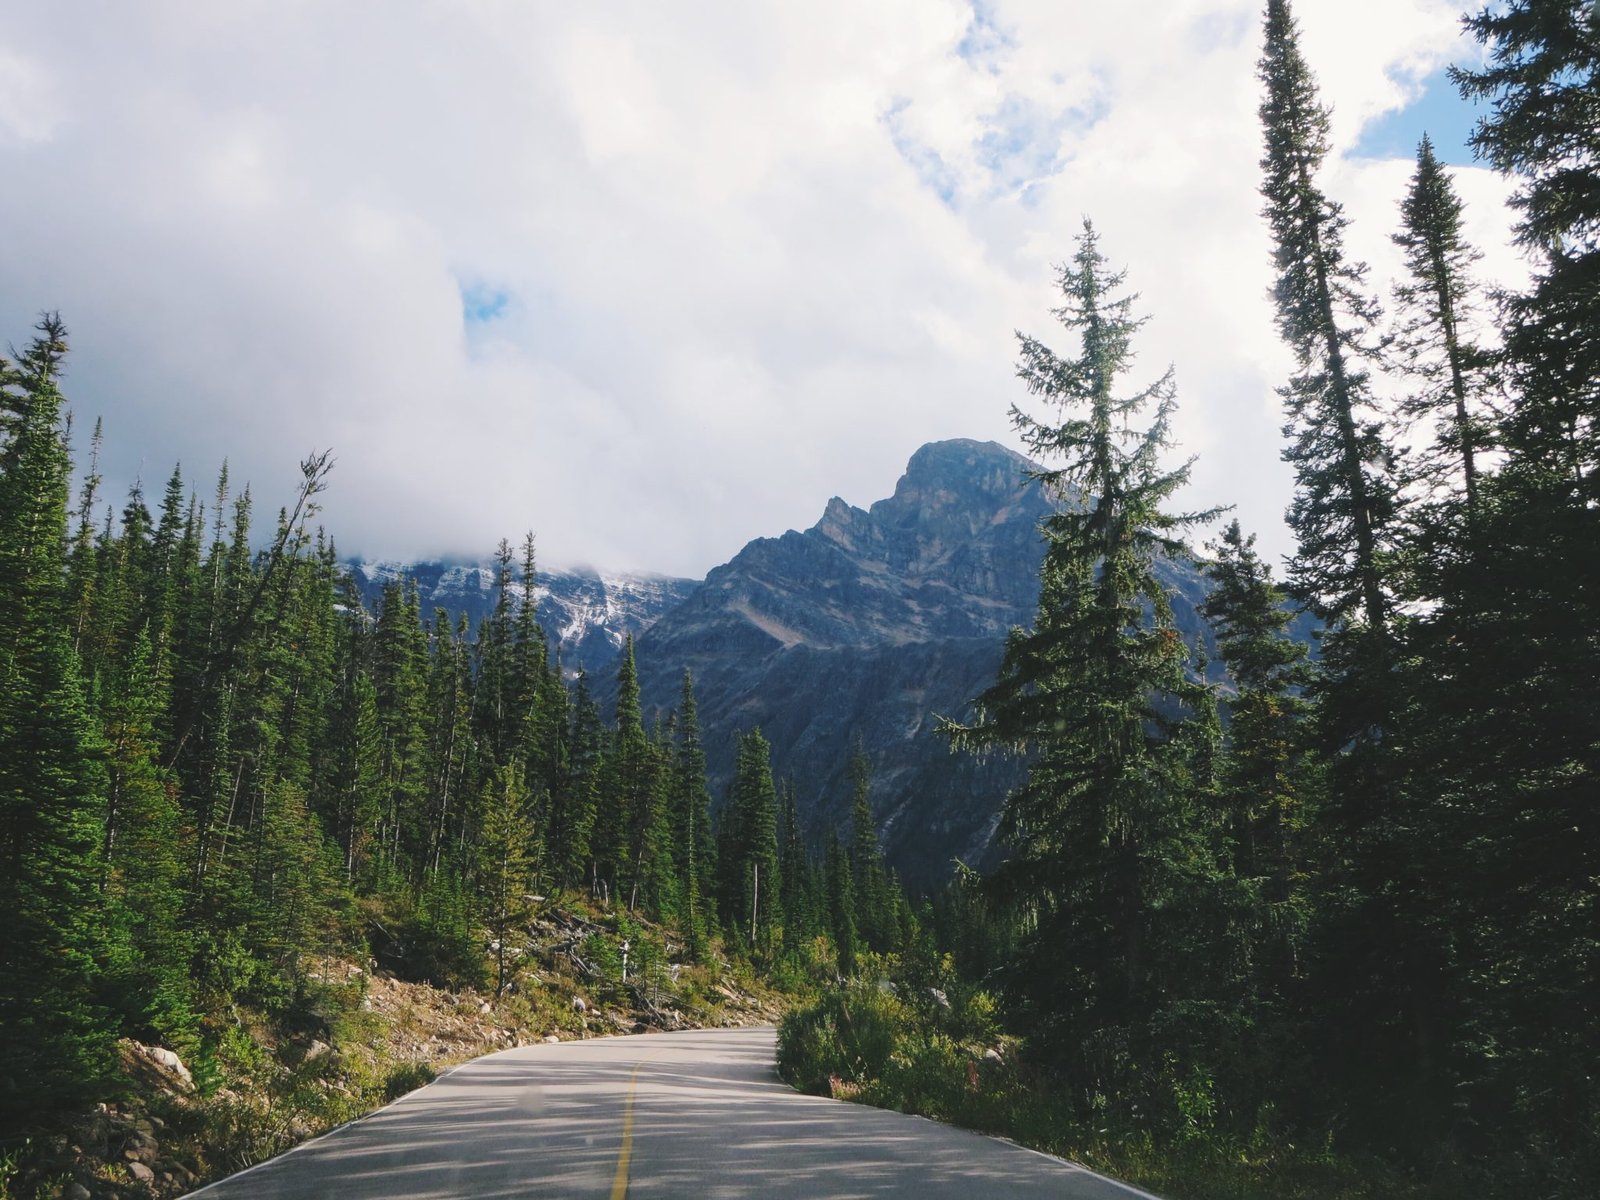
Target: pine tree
[
  {"x": 1268, "y": 778},
  {"x": 1434, "y": 339},
  {"x": 874, "y": 913},
  {"x": 55, "y": 1040},
  {"x": 1342, "y": 502},
  {"x": 840, "y": 888},
  {"x": 503, "y": 866},
  {"x": 1099, "y": 837},
  {"x": 360, "y": 793},
  {"x": 795, "y": 866},
  {"x": 528, "y": 652},
  {"x": 297, "y": 898},
  {"x": 751, "y": 873},
  {"x": 1509, "y": 708},
  {"x": 400, "y": 679},
  {"x": 145, "y": 858},
  {"x": 692, "y": 845},
  {"x": 1541, "y": 75},
  {"x": 580, "y": 853},
  {"x": 449, "y": 738},
  {"x": 494, "y": 685}
]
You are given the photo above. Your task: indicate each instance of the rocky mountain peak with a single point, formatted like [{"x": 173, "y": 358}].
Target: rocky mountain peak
[
  {"x": 869, "y": 624},
  {"x": 956, "y": 473}
]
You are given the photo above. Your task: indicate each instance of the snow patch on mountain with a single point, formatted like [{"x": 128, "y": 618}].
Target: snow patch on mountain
[{"x": 586, "y": 614}]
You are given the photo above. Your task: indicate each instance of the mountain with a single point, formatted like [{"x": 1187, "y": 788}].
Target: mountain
[
  {"x": 586, "y": 615},
  {"x": 869, "y": 624}
]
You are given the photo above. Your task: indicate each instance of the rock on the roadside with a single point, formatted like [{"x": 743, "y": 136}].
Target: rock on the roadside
[{"x": 162, "y": 1062}]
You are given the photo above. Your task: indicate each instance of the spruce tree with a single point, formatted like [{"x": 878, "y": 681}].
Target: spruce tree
[
  {"x": 55, "y": 1039},
  {"x": 399, "y": 679},
  {"x": 795, "y": 894},
  {"x": 1268, "y": 784},
  {"x": 634, "y": 828},
  {"x": 1379, "y": 961},
  {"x": 751, "y": 872},
  {"x": 145, "y": 858},
  {"x": 1510, "y": 706},
  {"x": 692, "y": 845},
  {"x": 1439, "y": 356},
  {"x": 1541, "y": 77},
  {"x": 874, "y": 913},
  {"x": 503, "y": 856},
  {"x": 1100, "y": 838},
  {"x": 580, "y": 853},
  {"x": 449, "y": 738},
  {"x": 1343, "y": 501},
  {"x": 841, "y": 901}
]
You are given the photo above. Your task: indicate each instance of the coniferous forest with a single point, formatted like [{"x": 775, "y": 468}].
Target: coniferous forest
[{"x": 1330, "y": 927}]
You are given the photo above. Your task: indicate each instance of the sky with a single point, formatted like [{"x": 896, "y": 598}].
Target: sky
[{"x": 650, "y": 279}]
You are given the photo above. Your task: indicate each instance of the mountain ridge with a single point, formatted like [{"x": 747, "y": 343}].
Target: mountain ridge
[{"x": 868, "y": 624}]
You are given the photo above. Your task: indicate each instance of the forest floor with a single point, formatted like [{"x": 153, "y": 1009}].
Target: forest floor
[{"x": 353, "y": 1038}]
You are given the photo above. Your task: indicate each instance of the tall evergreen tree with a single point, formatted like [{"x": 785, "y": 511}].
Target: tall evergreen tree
[
  {"x": 145, "y": 859},
  {"x": 692, "y": 846},
  {"x": 1100, "y": 838},
  {"x": 1541, "y": 76},
  {"x": 503, "y": 852},
  {"x": 1268, "y": 787},
  {"x": 747, "y": 853},
  {"x": 1379, "y": 965},
  {"x": 581, "y": 854},
  {"x": 874, "y": 912},
  {"x": 400, "y": 679},
  {"x": 449, "y": 738},
  {"x": 1342, "y": 502},
  {"x": 840, "y": 892},
  {"x": 795, "y": 865},
  {"x": 1435, "y": 338},
  {"x": 54, "y": 1037},
  {"x": 1509, "y": 704}
]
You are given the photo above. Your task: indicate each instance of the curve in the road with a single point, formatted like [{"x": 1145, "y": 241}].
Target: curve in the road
[{"x": 699, "y": 1114}]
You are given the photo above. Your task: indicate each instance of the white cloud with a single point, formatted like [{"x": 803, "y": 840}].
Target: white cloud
[{"x": 750, "y": 256}]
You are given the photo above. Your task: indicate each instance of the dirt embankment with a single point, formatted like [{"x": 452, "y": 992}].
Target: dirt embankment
[{"x": 358, "y": 1037}]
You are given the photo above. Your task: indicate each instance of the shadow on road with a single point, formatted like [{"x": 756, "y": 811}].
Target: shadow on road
[{"x": 710, "y": 1119}]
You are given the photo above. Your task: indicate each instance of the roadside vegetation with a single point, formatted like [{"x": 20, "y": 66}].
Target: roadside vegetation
[
  {"x": 1267, "y": 923},
  {"x": 1321, "y": 925},
  {"x": 235, "y": 805}
]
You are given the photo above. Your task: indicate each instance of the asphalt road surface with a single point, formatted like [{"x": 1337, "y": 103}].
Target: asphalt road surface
[{"x": 700, "y": 1114}]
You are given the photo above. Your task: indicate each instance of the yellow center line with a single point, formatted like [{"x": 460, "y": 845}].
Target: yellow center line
[{"x": 619, "y": 1185}]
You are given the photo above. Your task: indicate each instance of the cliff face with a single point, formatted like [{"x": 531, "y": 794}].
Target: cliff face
[{"x": 868, "y": 625}]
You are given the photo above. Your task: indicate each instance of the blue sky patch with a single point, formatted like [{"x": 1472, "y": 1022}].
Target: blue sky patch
[
  {"x": 1022, "y": 145},
  {"x": 984, "y": 39},
  {"x": 1439, "y": 111},
  {"x": 932, "y": 171},
  {"x": 481, "y": 303}
]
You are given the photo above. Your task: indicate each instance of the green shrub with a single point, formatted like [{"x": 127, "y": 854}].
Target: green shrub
[
  {"x": 440, "y": 942},
  {"x": 927, "y": 1074},
  {"x": 849, "y": 1032},
  {"x": 974, "y": 1016},
  {"x": 407, "y": 1077}
]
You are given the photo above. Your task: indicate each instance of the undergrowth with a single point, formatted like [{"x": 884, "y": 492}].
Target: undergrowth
[{"x": 937, "y": 1054}]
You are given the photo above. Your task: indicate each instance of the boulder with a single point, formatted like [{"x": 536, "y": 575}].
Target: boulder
[{"x": 158, "y": 1065}]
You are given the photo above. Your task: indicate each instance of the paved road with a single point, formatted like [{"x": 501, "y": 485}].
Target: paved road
[{"x": 699, "y": 1114}]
